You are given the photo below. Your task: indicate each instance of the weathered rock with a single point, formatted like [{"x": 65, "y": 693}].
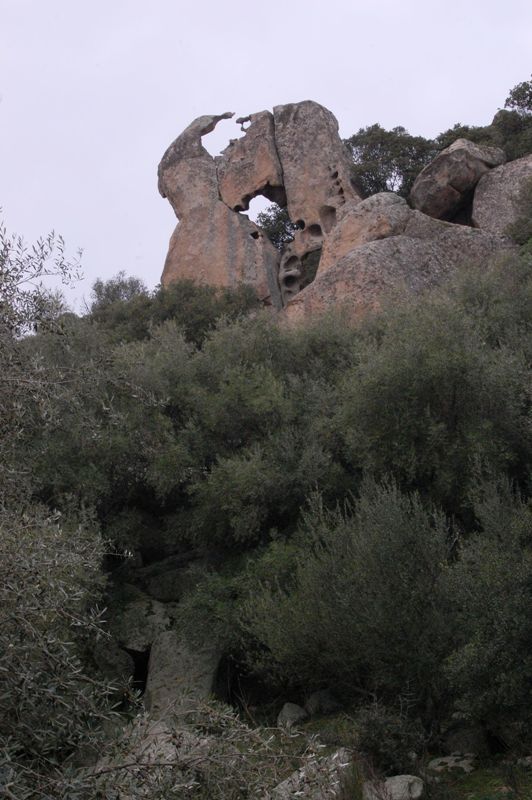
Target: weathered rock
[
  {"x": 459, "y": 762},
  {"x": 321, "y": 702},
  {"x": 169, "y": 579},
  {"x": 398, "y": 787},
  {"x": 291, "y": 714},
  {"x": 137, "y": 620},
  {"x": 112, "y": 660},
  {"x": 215, "y": 246},
  {"x": 417, "y": 259},
  {"x": 497, "y": 202},
  {"x": 315, "y": 163},
  {"x": 465, "y": 737},
  {"x": 445, "y": 185},
  {"x": 321, "y": 779},
  {"x": 379, "y": 216},
  {"x": 299, "y": 264},
  {"x": 187, "y": 171},
  {"x": 179, "y": 674},
  {"x": 211, "y": 244},
  {"x": 250, "y": 165}
]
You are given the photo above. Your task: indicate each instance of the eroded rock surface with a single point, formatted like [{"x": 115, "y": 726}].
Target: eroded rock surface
[
  {"x": 316, "y": 165},
  {"x": 420, "y": 257},
  {"x": 497, "y": 202},
  {"x": 379, "y": 216},
  {"x": 445, "y": 185},
  {"x": 211, "y": 244},
  {"x": 250, "y": 165},
  {"x": 179, "y": 675}
]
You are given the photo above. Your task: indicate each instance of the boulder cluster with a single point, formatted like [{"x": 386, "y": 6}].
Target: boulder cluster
[{"x": 458, "y": 211}]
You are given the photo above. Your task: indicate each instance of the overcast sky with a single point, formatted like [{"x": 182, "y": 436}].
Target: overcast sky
[{"x": 93, "y": 91}]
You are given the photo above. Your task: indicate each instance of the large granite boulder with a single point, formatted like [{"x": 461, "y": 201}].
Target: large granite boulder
[
  {"x": 179, "y": 674},
  {"x": 316, "y": 165},
  {"x": 497, "y": 202},
  {"x": 212, "y": 244},
  {"x": 398, "y": 787},
  {"x": 418, "y": 258},
  {"x": 250, "y": 165},
  {"x": 445, "y": 185},
  {"x": 379, "y": 216}
]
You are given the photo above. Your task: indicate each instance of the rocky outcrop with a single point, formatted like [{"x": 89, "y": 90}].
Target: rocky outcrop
[
  {"x": 211, "y": 244},
  {"x": 398, "y": 787},
  {"x": 179, "y": 675},
  {"x": 445, "y": 185},
  {"x": 294, "y": 157},
  {"x": 250, "y": 166},
  {"x": 316, "y": 166},
  {"x": 418, "y": 258},
  {"x": 382, "y": 215},
  {"x": 497, "y": 202},
  {"x": 291, "y": 714},
  {"x": 137, "y": 619}
]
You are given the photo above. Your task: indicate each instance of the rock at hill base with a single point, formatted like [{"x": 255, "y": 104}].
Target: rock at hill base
[
  {"x": 137, "y": 619},
  {"x": 497, "y": 201},
  {"x": 398, "y": 787},
  {"x": 445, "y": 185},
  {"x": 291, "y": 714},
  {"x": 179, "y": 674}
]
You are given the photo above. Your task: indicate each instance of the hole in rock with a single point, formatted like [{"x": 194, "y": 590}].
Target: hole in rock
[
  {"x": 334, "y": 175},
  {"x": 254, "y": 235},
  {"x": 309, "y": 263},
  {"x": 328, "y": 217},
  {"x": 315, "y": 230},
  {"x": 300, "y": 223},
  {"x": 290, "y": 280},
  {"x": 141, "y": 659},
  {"x": 291, "y": 262}
]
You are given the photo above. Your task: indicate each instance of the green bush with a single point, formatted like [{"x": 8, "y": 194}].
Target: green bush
[
  {"x": 367, "y": 607},
  {"x": 491, "y": 670}
]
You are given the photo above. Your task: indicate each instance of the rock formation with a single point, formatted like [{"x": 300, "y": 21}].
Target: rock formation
[
  {"x": 497, "y": 198},
  {"x": 385, "y": 247},
  {"x": 211, "y": 244},
  {"x": 445, "y": 186},
  {"x": 345, "y": 251},
  {"x": 294, "y": 157}
]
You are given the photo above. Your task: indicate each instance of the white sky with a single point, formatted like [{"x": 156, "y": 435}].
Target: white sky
[{"x": 93, "y": 91}]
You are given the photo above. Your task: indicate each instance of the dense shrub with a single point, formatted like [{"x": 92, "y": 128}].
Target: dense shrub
[{"x": 367, "y": 607}]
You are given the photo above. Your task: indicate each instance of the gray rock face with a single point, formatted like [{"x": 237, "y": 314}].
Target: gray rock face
[
  {"x": 445, "y": 185},
  {"x": 291, "y": 714},
  {"x": 398, "y": 787},
  {"x": 178, "y": 674},
  {"x": 496, "y": 203},
  {"x": 250, "y": 166}
]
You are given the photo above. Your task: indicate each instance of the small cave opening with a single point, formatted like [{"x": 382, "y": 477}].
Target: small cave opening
[
  {"x": 254, "y": 235},
  {"x": 328, "y": 218},
  {"x": 315, "y": 230},
  {"x": 141, "y": 660}
]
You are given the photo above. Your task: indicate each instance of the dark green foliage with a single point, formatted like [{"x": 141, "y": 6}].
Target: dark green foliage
[
  {"x": 388, "y": 161},
  {"x": 520, "y": 97},
  {"x": 509, "y": 130},
  {"x": 390, "y": 737},
  {"x": 367, "y": 607},
  {"x": 277, "y": 225},
  {"x": 491, "y": 670}
]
